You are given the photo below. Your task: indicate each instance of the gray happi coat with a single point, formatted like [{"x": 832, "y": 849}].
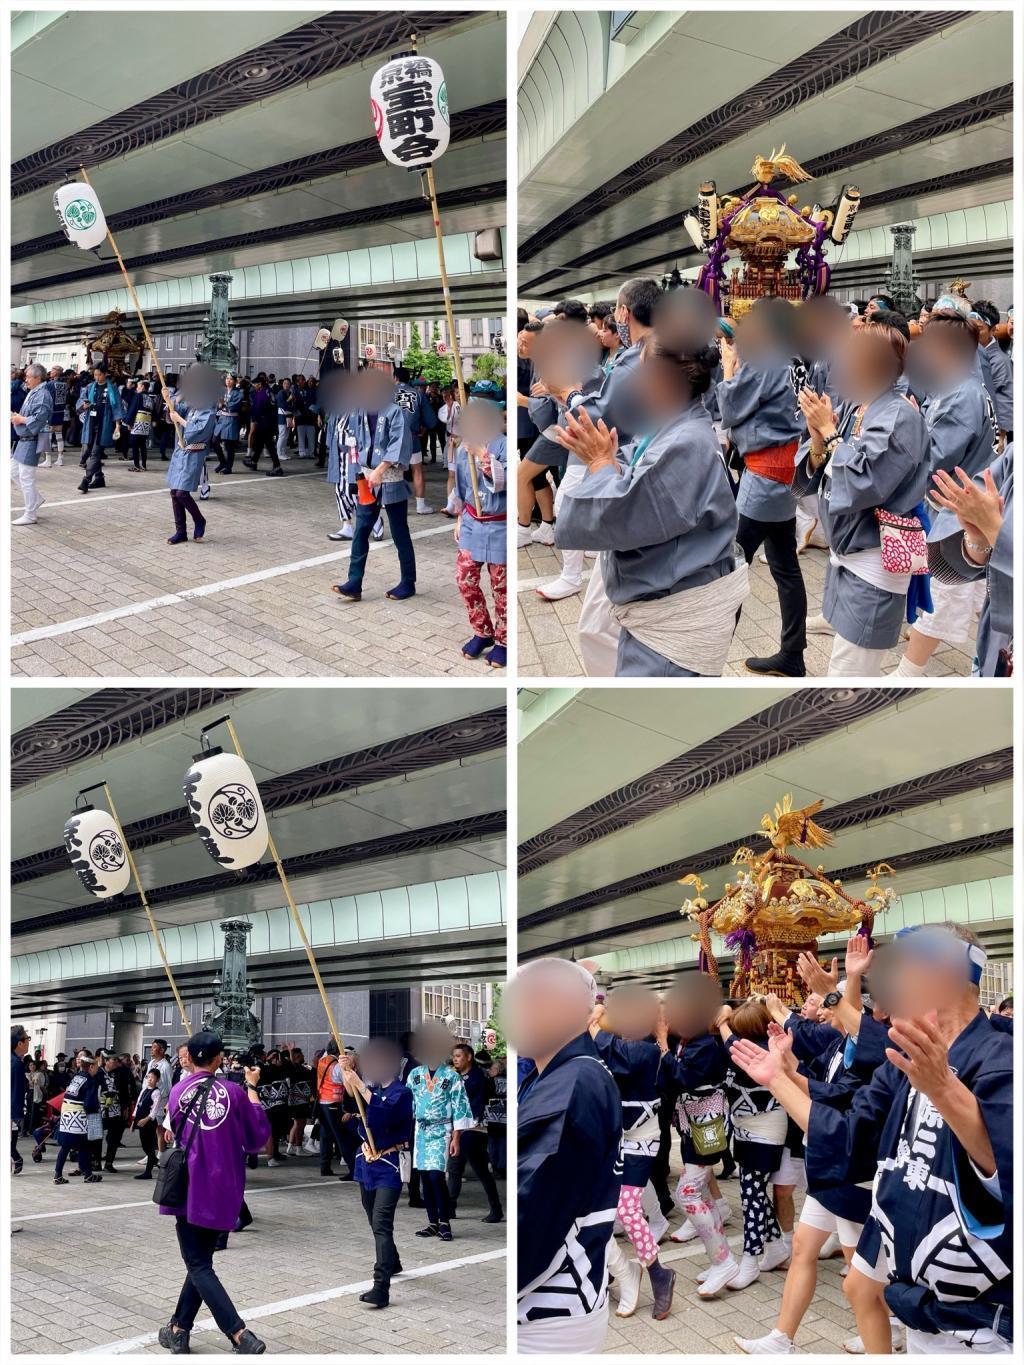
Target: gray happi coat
[
  {"x": 884, "y": 466},
  {"x": 759, "y": 406},
  {"x": 668, "y": 522}
]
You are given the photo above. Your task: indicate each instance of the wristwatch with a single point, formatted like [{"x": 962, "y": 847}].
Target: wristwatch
[{"x": 831, "y": 1000}]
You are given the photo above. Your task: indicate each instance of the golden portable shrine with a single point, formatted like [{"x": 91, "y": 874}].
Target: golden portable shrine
[
  {"x": 780, "y": 906},
  {"x": 115, "y": 347},
  {"x": 781, "y": 248}
]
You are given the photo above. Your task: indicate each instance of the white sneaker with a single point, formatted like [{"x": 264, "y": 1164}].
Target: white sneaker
[
  {"x": 143, "y": 1161},
  {"x": 726, "y": 1210},
  {"x": 46, "y": 464},
  {"x": 629, "y": 1289},
  {"x": 776, "y": 1343},
  {"x": 590, "y": 554},
  {"x": 310, "y": 1148},
  {"x": 658, "y": 1224},
  {"x": 59, "y": 462},
  {"x": 899, "y": 1336},
  {"x": 272, "y": 1163},
  {"x": 685, "y": 1232},
  {"x": 25, "y": 520},
  {"x": 853, "y": 1346},
  {"x": 423, "y": 508},
  {"x": 831, "y": 1247},
  {"x": 749, "y": 1271},
  {"x": 817, "y": 625},
  {"x": 544, "y": 534},
  {"x": 524, "y": 536},
  {"x": 719, "y": 1277},
  {"x": 561, "y": 587},
  {"x": 775, "y": 1255}
]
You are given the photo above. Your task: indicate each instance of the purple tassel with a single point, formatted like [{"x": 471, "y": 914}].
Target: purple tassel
[{"x": 742, "y": 942}]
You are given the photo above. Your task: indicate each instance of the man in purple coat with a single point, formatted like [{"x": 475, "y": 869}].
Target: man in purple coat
[{"x": 231, "y": 1122}]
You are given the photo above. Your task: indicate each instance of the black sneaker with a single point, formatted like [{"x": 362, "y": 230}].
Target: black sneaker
[
  {"x": 248, "y": 1344},
  {"x": 495, "y": 1216},
  {"x": 778, "y": 666},
  {"x": 429, "y": 1231},
  {"x": 16, "y": 1167},
  {"x": 175, "y": 1342},
  {"x": 377, "y": 1297}
]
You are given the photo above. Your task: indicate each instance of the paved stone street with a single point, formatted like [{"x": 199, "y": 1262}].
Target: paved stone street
[
  {"x": 96, "y": 1268},
  {"x": 707, "y": 1327},
  {"x": 98, "y": 591},
  {"x": 548, "y": 643}
]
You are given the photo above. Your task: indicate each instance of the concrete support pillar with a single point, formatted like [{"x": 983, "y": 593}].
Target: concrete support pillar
[{"x": 128, "y": 1024}]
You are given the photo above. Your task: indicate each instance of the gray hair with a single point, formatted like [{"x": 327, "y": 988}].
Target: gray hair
[{"x": 37, "y": 370}]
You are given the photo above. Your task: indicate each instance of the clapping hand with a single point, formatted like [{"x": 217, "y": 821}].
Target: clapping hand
[
  {"x": 593, "y": 445},
  {"x": 978, "y": 510}
]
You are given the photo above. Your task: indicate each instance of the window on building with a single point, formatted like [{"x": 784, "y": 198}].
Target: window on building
[
  {"x": 168, "y": 1014},
  {"x": 279, "y": 1004}
]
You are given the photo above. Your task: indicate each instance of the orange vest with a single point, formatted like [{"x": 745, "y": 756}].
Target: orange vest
[{"x": 327, "y": 1090}]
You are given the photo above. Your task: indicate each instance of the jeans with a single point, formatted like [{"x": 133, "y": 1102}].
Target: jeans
[
  {"x": 305, "y": 435},
  {"x": 779, "y": 540},
  {"x": 398, "y": 521},
  {"x": 379, "y": 1205},
  {"x": 435, "y": 1196},
  {"x": 197, "y": 1246},
  {"x": 473, "y": 1148}
]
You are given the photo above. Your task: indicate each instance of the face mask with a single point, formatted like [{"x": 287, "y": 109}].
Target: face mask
[{"x": 623, "y": 330}]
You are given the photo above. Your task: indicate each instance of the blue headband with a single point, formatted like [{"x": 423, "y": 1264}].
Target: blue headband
[{"x": 932, "y": 944}]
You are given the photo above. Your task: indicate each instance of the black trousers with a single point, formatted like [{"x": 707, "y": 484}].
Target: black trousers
[
  {"x": 330, "y": 1135},
  {"x": 226, "y": 451},
  {"x": 379, "y": 1205},
  {"x": 92, "y": 459},
  {"x": 197, "y": 1246},
  {"x": 473, "y": 1149},
  {"x": 82, "y": 1153},
  {"x": 147, "y": 1137},
  {"x": 779, "y": 540},
  {"x": 660, "y": 1165},
  {"x": 115, "y": 1132},
  {"x": 435, "y": 1196},
  {"x": 265, "y": 439}
]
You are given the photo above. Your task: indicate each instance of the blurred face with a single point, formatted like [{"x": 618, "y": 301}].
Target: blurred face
[
  {"x": 632, "y": 1012},
  {"x": 926, "y": 971},
  {"x": 865, "y": 366},
  {"x": 201, "y": 386},
  {"x": 380, "y": 1061},
  {"x": 692, "y": 1004},
  {"x": 376, "y": 390},
  {"x": 481, "y": 422},
  {"x": 432, "y": 1044},
  {"x": 937, "y": 359},
  {"x": 544, "y": 1007},
  {"x": 565, "y": 354}
]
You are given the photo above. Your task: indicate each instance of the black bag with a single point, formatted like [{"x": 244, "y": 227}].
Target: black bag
[{"x": 171, "y": 1187}]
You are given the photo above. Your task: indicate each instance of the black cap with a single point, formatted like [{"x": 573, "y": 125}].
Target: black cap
[{"x": 204, "y": 1046}]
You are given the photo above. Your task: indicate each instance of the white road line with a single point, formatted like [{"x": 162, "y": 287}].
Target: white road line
[
  {"x": 267, "y": 1310},
  {"x": 171, "y": 599},
  {"x": 148, "y": 1203},
  {"x": 84, "y": 500}
]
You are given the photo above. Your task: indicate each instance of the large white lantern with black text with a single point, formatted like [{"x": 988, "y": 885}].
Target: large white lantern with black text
[
  {"x": 81, "y": 215},
  {"x": 409, "y": 104},
  {"x": 97, "y": 851},
  {"x": 224, "y": 803}
]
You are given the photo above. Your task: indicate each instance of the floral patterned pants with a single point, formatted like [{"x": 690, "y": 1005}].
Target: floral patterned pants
[
  {"x": 467, "y": 577},
  {"x": 631, "y": 1215}
]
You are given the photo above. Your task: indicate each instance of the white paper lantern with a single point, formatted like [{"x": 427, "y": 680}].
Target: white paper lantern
[
  {"x": 409, "y": 104},
  {"x": 224, "y": 803},
  {"x": 81, "y": 215},
  {"x": 97, "y": 852}
]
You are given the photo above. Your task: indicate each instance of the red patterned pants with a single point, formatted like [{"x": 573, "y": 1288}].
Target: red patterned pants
[{"x": 467, "y": 576}]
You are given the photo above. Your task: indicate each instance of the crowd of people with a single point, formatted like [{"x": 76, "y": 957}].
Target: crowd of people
[
  {"x": 372, "y": 432},
  {"x": 670, "y": 445},
  {"x": 870, "y": 1118},
  {"x": 393, "y": 1118}
]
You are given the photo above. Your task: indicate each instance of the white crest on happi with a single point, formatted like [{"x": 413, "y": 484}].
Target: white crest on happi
[{"x": 409, "y": 105}]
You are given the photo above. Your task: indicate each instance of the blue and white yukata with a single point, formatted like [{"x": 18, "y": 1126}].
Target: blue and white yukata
[
  {"x": 569, "y": 1127},
  {"x": 963, "y": 430},
  {"x": 36, "y": 410},
  {"x": 940, "y": 1234},
  {"x": 666, "y": 519},
  {"x": 882, "y": 463},
  {"x": 440, "y": 1107},
  {"x": 382, "y": 438},
  {"x": 483, "y": 540}
]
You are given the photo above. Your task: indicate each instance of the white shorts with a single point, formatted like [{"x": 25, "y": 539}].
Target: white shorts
[
  {"x": 416, "y": 456},
  {"x": 983, "y": 1340},
  {"x": 790, "y": 1172},
  {"x": 879, "y": 1272},
  {"x": 956, "y": 605},
  {"x": 583, "y": 1335},
  {"x": 815, "y": 1216}
]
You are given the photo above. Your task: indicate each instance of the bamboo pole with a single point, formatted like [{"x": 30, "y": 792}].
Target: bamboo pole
[
  {"x": 138, "y": 306},
  {"x": 149, "y": 914},
  {"x": 457, "y": 354},
  {"x": 306, "y": 945}
]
